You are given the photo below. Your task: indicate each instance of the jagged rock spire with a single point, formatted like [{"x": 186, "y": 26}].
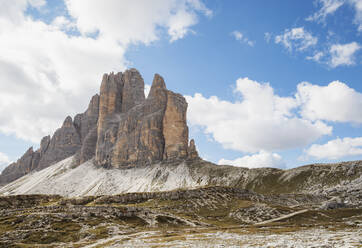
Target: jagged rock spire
[
  {"x": 133, "y": 89},
  {"x": 157, "y": 83},
  {"x": 119, "y": 128}
]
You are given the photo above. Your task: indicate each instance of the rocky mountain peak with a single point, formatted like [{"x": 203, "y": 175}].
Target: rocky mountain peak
[
  {"x": 147, "y": 130},
  {"x": 120, "y": 128},
  {"x": 68, "y": 122},
  {"x": 192, "y": 151},
  {"x": 93, "y": 106},
  {"x": 157, "y": 83},
  {"x": 133, "y": 89}
]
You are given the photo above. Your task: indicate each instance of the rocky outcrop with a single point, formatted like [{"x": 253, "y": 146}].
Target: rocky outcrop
[
  {"x": 27, "y": 163},
  {"x": 120, "y": 128},
  {"x": 64, "y": 143},
  {"x": 133, "y": 89},
  {"x": 87, "y": 121},
  {"x": 109, "y": 109},
  {"x": 139, "y": 138},
  {"x": 86, "y": 125},
  {"x": 175, "y": 130},
  {"x": 191, "y": 150},
  {"x": 18, "y": 169},
  {"x": 139, "y": 130}
]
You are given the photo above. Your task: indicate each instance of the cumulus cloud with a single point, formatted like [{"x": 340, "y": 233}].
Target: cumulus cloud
[
  {"x": 337, "y": 55},
  {"x": 48, "y": 73},
  {"x": 343, "y": 54},
  {"x": 13, "y": 10},
  {"x": 334, "y": 102},
  {"x": 240, "y": 37},
  {"x": 260, "y": 120},
  {"x": 296, "y": 38},
  {"x": 258, "y": 160},
  {"x": 136, "y": 20},
  {"x": 4, "y": 161},
  {"x": 328, "y": 7},
  {"x": 63, "y": 23},
  {"x": 336, "y": 149}
]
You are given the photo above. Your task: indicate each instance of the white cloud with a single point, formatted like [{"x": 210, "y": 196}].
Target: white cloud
[
  {"x": 334, "y": 102},
  {"x": 237, "y": 35},
  {"x": 336, "y": 149},
  {"x": 240, "y": 37},
  {"x": 63, "y": 23},
  {"x": 267, "y": 37},
  {"x": 13, "y": 10},
  {"x": 343, "y": 54},
  {"x": 132, "y": 21},
  {"x": 328, "y": 7},
  {"x": 358, "y": 16},
  {"x": 261, "y": 120},
  {"x": 296, "y": 38},
  {"x": 337, "y": 55},
  {"x": 47, "y": 74},
  {"x": 4, "y": 161},
  {"x": 258, "y": 160},
  {"x": 316, "y": 57},
  {"x": 147, "y": 89}
]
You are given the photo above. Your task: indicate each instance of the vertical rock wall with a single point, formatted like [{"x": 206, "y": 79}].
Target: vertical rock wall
[{"x": 119, "y": 128}]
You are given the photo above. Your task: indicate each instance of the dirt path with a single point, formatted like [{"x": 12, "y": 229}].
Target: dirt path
[{"x": 287, "y": 216}]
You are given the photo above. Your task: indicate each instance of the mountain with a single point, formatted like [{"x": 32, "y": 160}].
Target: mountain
[
  {"x": 66, "y": 178},
  {"x": 125, "y": 142},
  {"x": 124, "y": 174},
  {"x": 120, "y": 128}
]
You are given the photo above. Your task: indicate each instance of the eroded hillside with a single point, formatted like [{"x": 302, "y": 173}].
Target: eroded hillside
[{"x": 175, "y": 218}]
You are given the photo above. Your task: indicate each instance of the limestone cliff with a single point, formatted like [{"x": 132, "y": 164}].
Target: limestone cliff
[
  {"x": 86, "y": 126},
  {"x": 120, "y": 128},
  {"x": 64, "y": 143},
  {"x": 138, "y": 130}
]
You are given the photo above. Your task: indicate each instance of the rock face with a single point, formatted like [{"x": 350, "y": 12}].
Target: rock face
[
  {"x": 87, "y": 121},
  {"x": 18, "y": 169},
  {"x": 133, "y": 130},
  {"x": 120, "y": 128},
  {"x": 64, "y": 143},
  {"x": 86, "y": 126},
  {"x": 192, "y": 152},
  {"x": 175, "y": 130},
  {"x": 110, "y": 106}
]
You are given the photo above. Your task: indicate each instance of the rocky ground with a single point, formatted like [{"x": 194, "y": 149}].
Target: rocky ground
[
  {"x": 204, "y": 217},
  {"x": 70, "y": 180},
  {"x": 75, "y": 190}
]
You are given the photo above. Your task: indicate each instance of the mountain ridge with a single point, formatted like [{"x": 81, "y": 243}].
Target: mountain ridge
[
  {"x": 120, "y": 127},
  {"x": 66, "y": 178},
  {"x": 125, "y": 142}
]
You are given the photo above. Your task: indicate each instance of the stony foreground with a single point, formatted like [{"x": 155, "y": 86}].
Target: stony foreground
[
  {"x": 267, "y": 237},
  {"x": 205, "y": 217}
]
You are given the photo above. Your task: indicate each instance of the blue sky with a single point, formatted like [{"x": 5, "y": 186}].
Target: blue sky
[{"x": 246, "y": 60}]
